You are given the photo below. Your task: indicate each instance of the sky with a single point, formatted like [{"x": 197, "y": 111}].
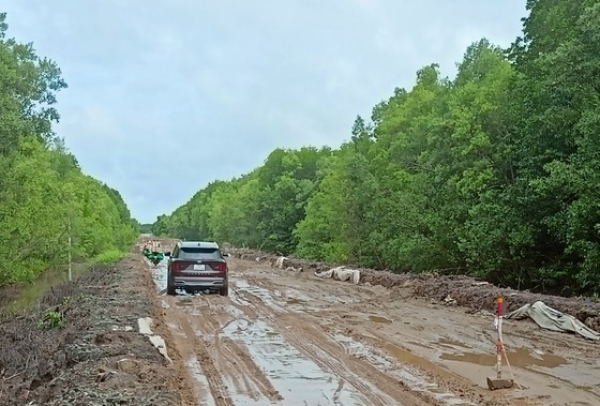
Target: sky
[{"x": 166, "y": 97}]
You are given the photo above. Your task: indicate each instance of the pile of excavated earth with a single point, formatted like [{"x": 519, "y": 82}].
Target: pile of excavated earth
[
  {"x": 463, "y": 290},
  {"x": 90, "y": 342}
]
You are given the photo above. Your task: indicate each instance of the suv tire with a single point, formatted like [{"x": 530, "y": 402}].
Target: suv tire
[
  {"x": 170, "y": 288},
  {"x": 224, "y": 291}
]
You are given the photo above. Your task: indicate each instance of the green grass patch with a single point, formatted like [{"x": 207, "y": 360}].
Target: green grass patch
[
  {"x": 110, "y": 257},
  {"x": 27, "y": 294}
]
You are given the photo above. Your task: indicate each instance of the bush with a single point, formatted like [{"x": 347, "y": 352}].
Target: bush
[{"x": 109, "y": 257}]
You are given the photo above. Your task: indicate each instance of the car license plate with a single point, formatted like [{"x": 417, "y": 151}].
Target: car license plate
[{"x": 199, "y": 267}]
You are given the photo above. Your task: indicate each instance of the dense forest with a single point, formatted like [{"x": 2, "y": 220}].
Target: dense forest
[
  {"x": 44, "y": 196},
  {"x": 495, "y": 173}
]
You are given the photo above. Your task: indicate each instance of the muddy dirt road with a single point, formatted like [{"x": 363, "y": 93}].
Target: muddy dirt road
[{"x": 288, "y": 338}]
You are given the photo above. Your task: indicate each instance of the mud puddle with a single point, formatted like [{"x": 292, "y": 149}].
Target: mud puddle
[
  {"x": 403, "y": 372},
  {"x": 293, "y": 375},
  {"x": 242, "y": 286},
  {"x": 583, "y": 377},
  {"x": 520, "y": 357}
]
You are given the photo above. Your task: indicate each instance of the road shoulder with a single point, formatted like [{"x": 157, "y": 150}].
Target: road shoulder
[{"x": 82, "y": 345}]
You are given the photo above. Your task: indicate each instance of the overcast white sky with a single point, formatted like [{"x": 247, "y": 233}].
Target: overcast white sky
[{"x": 179, "y": 93}]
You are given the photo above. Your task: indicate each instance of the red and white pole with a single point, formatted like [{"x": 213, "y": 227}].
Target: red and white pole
[{"x": 499, "y": 345}]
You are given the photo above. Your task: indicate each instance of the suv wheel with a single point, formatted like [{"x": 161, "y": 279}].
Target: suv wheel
[
  {"x": 224, "y": 291},
  {"x": 170, "y": 287}
]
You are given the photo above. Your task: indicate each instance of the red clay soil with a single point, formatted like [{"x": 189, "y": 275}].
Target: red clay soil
[{"x": 465, "y": 290}]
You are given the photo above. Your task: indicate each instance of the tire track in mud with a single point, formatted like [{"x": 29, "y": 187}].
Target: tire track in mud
[
  {"x": 332, "y": 356},
  {"x": 233, "y": 355},
  {"x": 189, "y": 392},
  {"x": 427, "y": 368},
  {"x": 323, "y": 349},
  {"x": 244, "y": 371},
  {"x": 230, "y": 357},
  {"x": 419, "y": 377},
  {"x": 448, "y": 385},
  {"x": 336, "y": 369},
  {"x": 224, "y": 360},
  {"x": 201, "y": 349},
  {"x": 242, "y": 356}
]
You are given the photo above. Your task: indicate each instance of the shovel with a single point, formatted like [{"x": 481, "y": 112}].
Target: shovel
[{"x": 498, "y": 382}]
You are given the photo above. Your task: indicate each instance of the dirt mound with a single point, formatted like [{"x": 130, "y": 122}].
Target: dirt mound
[
  {"x": 470, "y": 293},
  {"x": 466, "y": 291},
  {"x": 81, "y": 346}
]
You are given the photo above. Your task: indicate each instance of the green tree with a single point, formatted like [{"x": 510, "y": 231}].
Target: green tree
[{"x": 44, "y": 196}]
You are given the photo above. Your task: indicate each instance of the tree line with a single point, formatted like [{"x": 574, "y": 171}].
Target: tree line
[
  {"x": 495, "y": 173},
  {"x": 44, "y": 196}
]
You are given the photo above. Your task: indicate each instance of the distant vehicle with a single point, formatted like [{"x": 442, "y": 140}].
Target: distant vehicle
[{"x": 195, "y": 266}]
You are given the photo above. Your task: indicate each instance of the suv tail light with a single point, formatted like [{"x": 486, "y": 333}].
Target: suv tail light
[
  {"x": 177, "y": 266},
  {"x": 219, "y": 266}
]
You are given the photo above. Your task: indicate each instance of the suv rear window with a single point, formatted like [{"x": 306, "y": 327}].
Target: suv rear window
[{"x": 199, "y": 253}]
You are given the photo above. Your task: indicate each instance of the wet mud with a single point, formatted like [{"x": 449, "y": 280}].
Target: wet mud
[
  {"x": 285, "y": 337},
  {"x": 466, "y": 291}
]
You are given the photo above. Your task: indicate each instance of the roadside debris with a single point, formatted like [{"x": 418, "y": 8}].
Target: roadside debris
[
  {"x": 449, "y": 301},
  {"x": 551, "y": 319},
  {"x": 279, "y": 262},
  {"x": 341, "y": 273}
]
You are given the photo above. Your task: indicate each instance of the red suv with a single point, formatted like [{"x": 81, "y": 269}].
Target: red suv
[{"x": 195, "y": 266}]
